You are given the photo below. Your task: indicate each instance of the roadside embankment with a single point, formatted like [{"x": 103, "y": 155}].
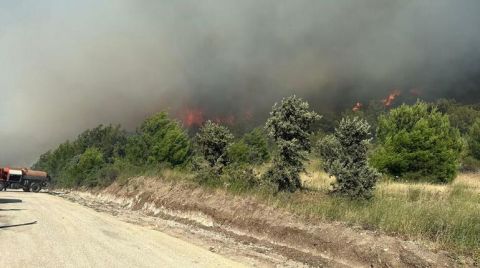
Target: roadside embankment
[{"x": 245, "y": 218}]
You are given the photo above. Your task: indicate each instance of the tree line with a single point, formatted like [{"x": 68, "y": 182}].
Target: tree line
[{"x": 420, "y": 142}]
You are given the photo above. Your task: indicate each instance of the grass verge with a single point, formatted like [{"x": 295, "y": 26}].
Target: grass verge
[{"x": 447, "y": 217}]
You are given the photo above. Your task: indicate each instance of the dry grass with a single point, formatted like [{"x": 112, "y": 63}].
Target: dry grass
[
  {"x": 471, "y": 180},
  {"x": 447, "y": 215}
]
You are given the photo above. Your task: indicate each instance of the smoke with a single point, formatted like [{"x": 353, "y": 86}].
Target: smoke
[{"x": 70, "y": 65}]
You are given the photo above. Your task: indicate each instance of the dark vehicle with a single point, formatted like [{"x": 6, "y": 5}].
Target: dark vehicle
[{"x": 27, "y": 179}]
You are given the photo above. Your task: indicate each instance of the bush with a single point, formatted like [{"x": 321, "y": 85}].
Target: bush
[
  {"x": 345, "y": 157},
  {"x": 251, "y": 149},
  {"x": 106, "y": 175},
  {"x": 258, "y": 143},
  {"x": 474, "y": 139},
  {"x": 290, "y": 126},
  {"x": 283, "y": 177},
  {"x": 417, "y": 143},
  {"x": 214, "y": 141},
  {"x": 470, "y": 164},
  {"x": 208, "y": 176},
  {"x": 240, "y": 177},
  {"x": 239, "y": 152}
]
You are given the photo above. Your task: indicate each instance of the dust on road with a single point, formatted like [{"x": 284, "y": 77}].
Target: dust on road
[{"x": 59, "y": 233}]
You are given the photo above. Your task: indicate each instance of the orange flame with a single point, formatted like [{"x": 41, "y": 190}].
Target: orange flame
[
  {"x": 192, "y": 117},
  {"x": 391, "y": 98},
  {"x": 358, "y": 106},
  {"x": 248, "y": 115},
  {"x": 227, "y": 120},
  {"x": 415, "y": 92}
]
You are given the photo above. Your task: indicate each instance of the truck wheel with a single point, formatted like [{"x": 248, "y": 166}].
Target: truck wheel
[
  {"x": 2, "y": 185},
  {"x": 26, "y": 188},
  {"x": 36, "y": 187}
]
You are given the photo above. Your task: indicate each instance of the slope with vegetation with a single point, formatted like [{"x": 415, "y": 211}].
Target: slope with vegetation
[{"x": 416, "y": 147}]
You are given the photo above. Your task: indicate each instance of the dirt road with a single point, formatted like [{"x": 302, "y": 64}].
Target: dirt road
[{"x": 69, "y": 235}]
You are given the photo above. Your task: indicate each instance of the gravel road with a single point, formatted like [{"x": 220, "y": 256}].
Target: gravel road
[{"x": 69, "y": 235}]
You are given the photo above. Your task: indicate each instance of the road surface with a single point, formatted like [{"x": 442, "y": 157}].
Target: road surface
[{"x": 69, "y": 235}]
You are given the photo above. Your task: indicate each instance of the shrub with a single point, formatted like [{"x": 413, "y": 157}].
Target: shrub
[
  {"x": 289, "y": 126},
  {"x": 345, "y": 157},
  {"x": 417, "y": 143},
  {"x": 470, "y": 164},
  {"x": 251, "y": 149},
  {"x": 283, "y": 177},
  {"x": 239, "y": 152},
  {"x": 208, "y": 176},
  {"x": 106, "y": 175},
  {"x": 474, "y": 139},
  {"x": 258, "y": 143},
  {"x": 214, "y": 140},
  {"x": 240, "y": 177}
]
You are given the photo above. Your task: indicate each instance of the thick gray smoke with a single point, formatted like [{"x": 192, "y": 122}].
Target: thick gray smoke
[{"x": 69, "y": 65}]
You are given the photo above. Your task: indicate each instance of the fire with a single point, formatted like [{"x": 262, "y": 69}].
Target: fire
[
  {"x": 195, "y": 117},
  {"x": 358, "y": 106},
  {"x": 248, "y": 115},
  {"x": 391, "y": 98},
  {"x": 415, "y": 92},
  {"x": 192, "y": 117},
  {"x": 227, "y": 120}
]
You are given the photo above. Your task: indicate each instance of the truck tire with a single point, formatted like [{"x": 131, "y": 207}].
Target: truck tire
[
  {"x": 26, "y": 188},
  {"x": 2, "y": 185},
  {"x": 36, "y": 187}
]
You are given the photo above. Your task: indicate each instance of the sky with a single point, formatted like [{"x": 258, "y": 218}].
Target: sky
[{"x": 69, "y": 65}]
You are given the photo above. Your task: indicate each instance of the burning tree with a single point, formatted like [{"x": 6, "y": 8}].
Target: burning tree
[
  {"x": 214, "y": 141},
  {"x": 289, "y": 126},
  {"x": 345, "y": 157}
]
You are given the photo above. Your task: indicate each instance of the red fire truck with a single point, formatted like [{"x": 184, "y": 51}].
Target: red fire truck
[{"x": 24, "y": 178}]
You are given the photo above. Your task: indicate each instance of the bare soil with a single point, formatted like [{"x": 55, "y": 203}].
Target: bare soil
[{"x": 246, "y": 230}]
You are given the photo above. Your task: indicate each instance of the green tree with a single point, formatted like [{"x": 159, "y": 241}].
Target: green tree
[
  {"x": 239, "y": 152},
  {"x": 54, "y": 162},
  {"x": 159, "y": 140},
  {"x": 110, "y": 140},
  {"x": 82, "y": 169},
  {"x": 474, "y": 139},
  {"x": 345, "y": 157},
  {"x": 214, "y": 140},
  {"x": 418, "y": 143},
  {"x": 461, "y": 116},
  {"x": 251, "y": 149},
  {"x": 290, "y": 126}
]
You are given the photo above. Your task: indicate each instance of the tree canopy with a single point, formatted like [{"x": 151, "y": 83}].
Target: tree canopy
[{"x": 417, "y": 143}]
